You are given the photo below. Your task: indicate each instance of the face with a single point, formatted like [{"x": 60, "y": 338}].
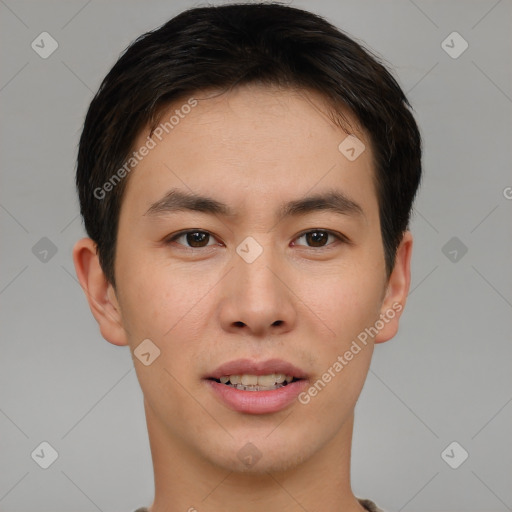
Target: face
[{"x": 249, "y": 248}]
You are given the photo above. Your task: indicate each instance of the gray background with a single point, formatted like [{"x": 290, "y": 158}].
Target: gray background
[{"x": 445, "y": 377}]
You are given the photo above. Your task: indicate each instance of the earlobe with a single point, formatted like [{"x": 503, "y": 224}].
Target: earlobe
[
  {"x": 396, "y": 291},
  {"x": 99, "y": 292}
]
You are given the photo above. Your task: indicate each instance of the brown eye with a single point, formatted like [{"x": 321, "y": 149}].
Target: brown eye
[
  {"x": 192, "y": 239},
  {"x": 318, "y": 237}
]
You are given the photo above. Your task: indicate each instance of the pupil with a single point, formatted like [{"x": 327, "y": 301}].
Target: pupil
[
  {"x": 195, "y": 239},
  {"x": 315, "y": 237}
]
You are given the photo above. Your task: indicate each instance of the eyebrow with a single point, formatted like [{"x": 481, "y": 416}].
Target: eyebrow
[{"x": 177, "y": 200}]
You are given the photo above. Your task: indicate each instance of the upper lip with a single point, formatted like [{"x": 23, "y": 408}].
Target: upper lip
[{"x": 250, "y": 367}]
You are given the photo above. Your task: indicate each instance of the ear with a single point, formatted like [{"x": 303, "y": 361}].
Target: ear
[
  {"x": 99, "y": 292},
  {"x": 396, "y": 290}
]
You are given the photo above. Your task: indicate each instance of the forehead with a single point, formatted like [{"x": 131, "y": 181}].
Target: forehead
[{"x": 252, "y": 144}]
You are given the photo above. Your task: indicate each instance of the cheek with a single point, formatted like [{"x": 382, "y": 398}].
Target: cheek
[
  {"x": 346, "y": 301},
  {"x": 158, "y": 298},
  {"x": 165, "y": 305},
  {"x": 172, "y": 308}
]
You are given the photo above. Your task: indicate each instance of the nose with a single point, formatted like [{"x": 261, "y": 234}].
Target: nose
[{"x": 258, "y": 297}]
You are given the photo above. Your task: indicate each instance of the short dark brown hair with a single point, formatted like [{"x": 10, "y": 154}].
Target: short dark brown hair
[{"x": 220, "y": 47}]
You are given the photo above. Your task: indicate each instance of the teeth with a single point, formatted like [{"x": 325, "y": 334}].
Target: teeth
[
  {"x": 265, "y": 381},
  {"x": 235, "y": 379},
  {"x": 249, "y": 380},
  {"x": 280, "y": 378}
]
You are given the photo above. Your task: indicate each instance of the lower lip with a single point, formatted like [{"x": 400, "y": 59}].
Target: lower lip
[{"x": 258, "y": 402}]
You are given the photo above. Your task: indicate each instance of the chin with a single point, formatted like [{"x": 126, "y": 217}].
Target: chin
[{"x": 262, "y": 456}]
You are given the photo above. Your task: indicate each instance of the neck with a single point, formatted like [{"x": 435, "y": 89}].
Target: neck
[{"x": 187, "y": 482}]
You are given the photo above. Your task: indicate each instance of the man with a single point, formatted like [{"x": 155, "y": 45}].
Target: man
[{"x": 246, "y": 175}]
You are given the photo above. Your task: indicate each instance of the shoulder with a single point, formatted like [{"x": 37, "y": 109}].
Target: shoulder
[{"x": 367, "y": 504}]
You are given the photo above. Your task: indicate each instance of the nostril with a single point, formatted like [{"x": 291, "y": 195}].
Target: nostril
[{"x": 277, "y": 323}]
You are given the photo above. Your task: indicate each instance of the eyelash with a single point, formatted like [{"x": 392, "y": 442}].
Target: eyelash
[{"x": 339, "y": 236}]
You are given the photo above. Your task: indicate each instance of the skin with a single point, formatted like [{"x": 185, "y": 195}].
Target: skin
[{"x": 253, "y": 149}]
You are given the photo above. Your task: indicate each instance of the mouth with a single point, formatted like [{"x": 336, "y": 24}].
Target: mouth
[
  {"x": 247, "y": 382},
  {"x": 257, "y": 387}
]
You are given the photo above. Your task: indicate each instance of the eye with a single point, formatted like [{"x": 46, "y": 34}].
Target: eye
[
  {"x": 320, "y": 237},
  {"x": 194, "y": 239},
  {"x": 197, "y": 239}
]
